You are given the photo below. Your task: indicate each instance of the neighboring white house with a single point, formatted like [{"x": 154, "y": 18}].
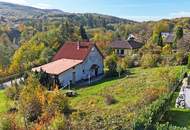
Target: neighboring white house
[{"x": 74, "y": 62}]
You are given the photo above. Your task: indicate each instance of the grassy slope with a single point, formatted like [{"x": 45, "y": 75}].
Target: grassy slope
[{"x": 131, "y": 93}]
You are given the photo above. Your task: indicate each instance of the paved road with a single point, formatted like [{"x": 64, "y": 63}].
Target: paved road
[{"x": 7, "y": 84}]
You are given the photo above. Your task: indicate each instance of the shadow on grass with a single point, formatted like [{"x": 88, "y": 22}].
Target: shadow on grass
[
  {"x": 98, "y": 82},
  {"x": 178, "y": 117}
]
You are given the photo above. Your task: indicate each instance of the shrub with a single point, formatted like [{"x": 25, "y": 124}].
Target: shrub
[
  {"x": 8, "y": 122},
  {"x": 13, "y": 92},
  {"x": 31, "y": 100},
  {"x": 109, "y": 100},
  {"x": 58, "y": 123},
  {"x": 179, "y": 57},
  {"x": 149, "y": 60},
  {"x": 33, "y": 110},
  {"x": 111, "y": 64},
  {"x": 58, "y": 103}
]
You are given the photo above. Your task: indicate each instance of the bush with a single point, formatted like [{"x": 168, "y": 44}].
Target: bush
[
  {"x": 33, "y": 110},
  {"x": 131, "y": 61},
  {"x": 8, "y": 122},
  {"x": 180, "y": 57},
  {"x": 31, "y": 100},
  {"x": 58, "y": 103},
  {"x": 58, "y": 123},
  {"x": 109, "y": 100},
  {"x": 13, "y": 92},
  {"x": 149, "y": 60},
  {"x": 111, "y": 64}
]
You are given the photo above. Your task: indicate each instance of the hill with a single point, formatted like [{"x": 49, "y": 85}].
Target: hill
[{"x": 14, "y": 13}]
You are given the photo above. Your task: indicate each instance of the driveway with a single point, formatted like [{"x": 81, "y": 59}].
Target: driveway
[{"x": 8, "y": 83}]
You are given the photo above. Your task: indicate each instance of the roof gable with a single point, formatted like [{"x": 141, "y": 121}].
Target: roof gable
[{"x": 70, "y": 50}]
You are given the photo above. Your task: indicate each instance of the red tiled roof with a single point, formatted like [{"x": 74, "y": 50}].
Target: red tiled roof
[
  {"x": 59, "y": 66},
  {"x": 70, "y": 51}
]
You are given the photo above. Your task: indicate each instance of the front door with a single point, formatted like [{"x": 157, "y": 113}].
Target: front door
[
  {"x": 96, "y": 72},
  {"x": 74, "y": 78}
]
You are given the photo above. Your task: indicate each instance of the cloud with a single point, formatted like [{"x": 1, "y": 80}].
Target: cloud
[
  {"x": 180, "y": 14},
  {"x": 143, "y": 18},
  {"x": 22, "y": 2},
  {"x": 41, "y": 6},
  {"x": 29, "y": 3}
]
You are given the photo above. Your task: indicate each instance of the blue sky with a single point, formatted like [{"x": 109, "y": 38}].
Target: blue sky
[{"x": 140, "y": 10}]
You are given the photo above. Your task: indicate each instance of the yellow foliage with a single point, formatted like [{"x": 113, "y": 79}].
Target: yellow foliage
[{"x": 167, "y": 49}]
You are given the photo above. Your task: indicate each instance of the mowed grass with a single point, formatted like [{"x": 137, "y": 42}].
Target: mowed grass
[
  {"x": 177, "y": 116},
  {"x": 134, "y": 92}
]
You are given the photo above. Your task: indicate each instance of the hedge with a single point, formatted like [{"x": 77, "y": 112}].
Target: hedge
[
  {"x": 168, "y": 126},
  {"x": 151, "y": 115}
]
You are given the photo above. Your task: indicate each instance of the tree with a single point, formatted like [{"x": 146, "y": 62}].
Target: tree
[
  {"x": 111, "y": 64},
  {"x": 160, "y": 40},
  {"x": 31, "y": 100},
  {"x": 149, "y": 60},
  {"x": 119, "y": 69},
  {"x": 179, "y": 33},
  {"x": 83, "y": 33},
  {"x": 188, "y": 65}
]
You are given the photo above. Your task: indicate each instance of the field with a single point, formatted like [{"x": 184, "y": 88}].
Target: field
[{"x": 130, "y": 94}]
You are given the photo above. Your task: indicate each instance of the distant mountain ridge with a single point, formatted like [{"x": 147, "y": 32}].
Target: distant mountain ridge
[{"x": 15, "y": 13}]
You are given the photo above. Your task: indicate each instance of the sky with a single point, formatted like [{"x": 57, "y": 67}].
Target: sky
[{"x": 139, "y": 10}]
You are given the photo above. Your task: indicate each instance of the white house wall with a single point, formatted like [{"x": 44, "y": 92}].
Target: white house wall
[
  {"x": 82, "y": 71},
  {"x": 94, "y": 57}
]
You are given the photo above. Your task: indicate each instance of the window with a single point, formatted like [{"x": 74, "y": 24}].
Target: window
[
  {"x": 117, "y": 51},
  {"x": 122, "y": 52}
]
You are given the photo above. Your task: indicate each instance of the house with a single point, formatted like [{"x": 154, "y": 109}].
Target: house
[
  {"x": 168, "y": 38},
  {"x": 74, "y": 62},
  {"x": 124, "y": 47}
]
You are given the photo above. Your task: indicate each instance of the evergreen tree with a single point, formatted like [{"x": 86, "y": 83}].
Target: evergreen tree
[
  {"x": 188, "y": 65},
  {"x": 160, "y": 40},
  {"x": 179, "y": 33},
  {"x": 83, "y": 33}
]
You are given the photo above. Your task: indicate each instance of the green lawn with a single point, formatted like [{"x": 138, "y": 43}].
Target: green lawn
[
  {"x": 3, "y": 102},
  {"x": 132, "y": 93},
  {"x": 177, "y": 116}
]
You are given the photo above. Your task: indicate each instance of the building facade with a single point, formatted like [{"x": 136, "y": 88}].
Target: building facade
[
  {"x": 125, "y": 47},
  {"x": 75, "y": 62}
]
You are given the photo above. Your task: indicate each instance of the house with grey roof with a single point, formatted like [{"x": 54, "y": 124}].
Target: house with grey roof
[
  {"x": 125, "y": 47},
  {"x": 168, "y": 38}
]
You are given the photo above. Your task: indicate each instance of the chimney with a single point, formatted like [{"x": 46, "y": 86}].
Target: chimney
[{"x": 78, "y": 45}]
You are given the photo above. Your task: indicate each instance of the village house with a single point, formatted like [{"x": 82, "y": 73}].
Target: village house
[
  {"x": 125, "y": 47},
  {"x": 168, "y": 38},
  {"x": 75, "y": 62}
]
